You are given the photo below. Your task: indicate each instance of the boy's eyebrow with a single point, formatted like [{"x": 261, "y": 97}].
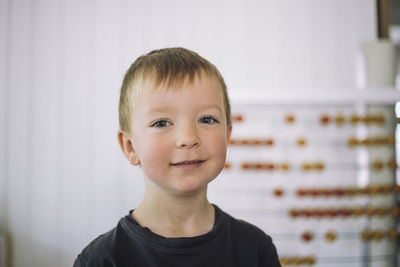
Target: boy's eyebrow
[
  {"x": 212, "y": 106},
  {"x": 166, "y": 108},
  {"x": 158, "y": 109}
]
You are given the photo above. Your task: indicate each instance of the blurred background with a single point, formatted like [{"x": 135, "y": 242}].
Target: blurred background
[{"x": 63, "y": 179}]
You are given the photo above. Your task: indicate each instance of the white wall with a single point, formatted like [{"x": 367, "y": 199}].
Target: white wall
[{"x": 63, "y": 179}]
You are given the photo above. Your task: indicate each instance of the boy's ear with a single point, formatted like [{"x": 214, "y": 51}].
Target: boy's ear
[{"x": 127, "y": 148}]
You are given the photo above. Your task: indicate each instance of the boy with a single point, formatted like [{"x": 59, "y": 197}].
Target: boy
[{"x": 175, "y": 123}]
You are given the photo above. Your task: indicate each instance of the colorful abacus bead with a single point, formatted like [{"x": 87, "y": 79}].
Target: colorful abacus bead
[
  {"x": 352, "y": 142},
  {"x": 285, "y": 166},
  {"x": 308, "y": 213},
  {"x": 367, "y": 119},
  {"x": 301, "y": 192},
  {"x": 324, "y": 119},
  {"x": 245, "y": 166},
  {"x": 306, "y": 167},
  {"x": 366, "y": 235},
  {"x": 244, "y": 142},
  {"x": 378, "y": 140},
  {"x": 319, "y": 166},
  {"x": 320, "y": 212},
  {"x": 378, "y": 235},
  {"x": 392, "y": 234},
  {"x": 284, "y": 261},
  {"x": 379, "y": 118},
  {"x": 338, "y": 192},
  {"x": 330, "y": 236},
  {"x": 278, "y": 192},
  {"x": 314, "y": 192},
  {"x": 351, "y": 191},
  {"x": 307, "y": 236},
  {"x": 301, "y": 141},
  {"x": 354, "y": 119},
  {"x": 257, "y": 142},
  {"x": 369, "y": 211},
  {"x": 357, "y": 211},
  {"x": 339, "y": 119},
  {"x": 387, "y": 189},
  {"x": 268, "y": 142},
  {"x": 269, "y": 166},
  {"x": 309, "y": 260},
  {"x": 294, "y": 213},
  {"x": 290, "y": 118},
  {"x": 296, "y": 260},
  {"x": 332, "y": 212},
  {"x": 346, "y": 212},
  {"x": 237, "y": 118},
  {"x": 392, "y": 164},
  {"x": 377, "y": 165},
  {"x": 389, "y": 140},
  {"x": 258, "y": 165},
  {"x": 363, "y": 190},
  {"x": 365, "y": 142},
  {"x": 232, "y": 142},
  {"x": 326, "y": 192},
  {"x": 374, "y": 190}
]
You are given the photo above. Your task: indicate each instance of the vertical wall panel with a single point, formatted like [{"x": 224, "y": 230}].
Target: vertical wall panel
[
  {"x": 108, "y": 194},
  {"x": 20, "y": 139},
  {"x": 4, "y": 76},
  {"x": 64, "y": 255},
  {"x": 322, "y": 57},
  {"x": 260, "y": 51},
  {"x": 77, "y": 197},
  {"x": 294, "y": 45},
  {"x": 132, "y": 30},
  {"x": 45, "y": 208}
]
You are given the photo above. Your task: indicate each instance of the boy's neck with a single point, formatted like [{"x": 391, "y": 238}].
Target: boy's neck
[{"x": 176, "y": 216}]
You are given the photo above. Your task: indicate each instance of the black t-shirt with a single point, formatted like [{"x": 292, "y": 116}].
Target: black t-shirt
[{"x": 230, "y": 243}]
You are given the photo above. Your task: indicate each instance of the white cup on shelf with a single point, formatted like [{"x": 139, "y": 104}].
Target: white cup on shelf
[{"x": 379, "y": 63}]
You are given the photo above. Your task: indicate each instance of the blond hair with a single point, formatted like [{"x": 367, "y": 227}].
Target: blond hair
[{"x": 169, "y": 66}]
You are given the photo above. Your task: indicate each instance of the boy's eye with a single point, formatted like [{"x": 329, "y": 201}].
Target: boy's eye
[
  {"x": 161, "y": 124},
  {"x": 208, "y": 120}
]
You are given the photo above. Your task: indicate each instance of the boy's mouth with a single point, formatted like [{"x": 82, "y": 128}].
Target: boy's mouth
[{"x": 187, "y": 162}]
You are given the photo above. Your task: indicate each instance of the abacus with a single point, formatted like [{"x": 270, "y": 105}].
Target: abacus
[{"x": 319, "y": 178}]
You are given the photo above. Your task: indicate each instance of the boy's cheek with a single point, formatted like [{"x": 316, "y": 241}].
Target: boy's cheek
[
  {"x": 156, "y": 153},
  {"x": 220, "y": 141}
]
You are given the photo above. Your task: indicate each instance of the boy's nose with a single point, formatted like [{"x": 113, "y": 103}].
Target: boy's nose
[{"x": 188, "y": 137}]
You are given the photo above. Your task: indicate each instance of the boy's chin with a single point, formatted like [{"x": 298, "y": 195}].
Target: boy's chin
[
  {"x": 184, "y": 185},
  {"x": 190, "y": 190},
  {"x": 186, "y": 190}
]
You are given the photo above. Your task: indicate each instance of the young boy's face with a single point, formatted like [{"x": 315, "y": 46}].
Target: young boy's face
[{"x": 180, "y": 136}]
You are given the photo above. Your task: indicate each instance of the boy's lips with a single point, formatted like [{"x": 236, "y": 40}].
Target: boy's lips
[{"x": 188, "y": 163}]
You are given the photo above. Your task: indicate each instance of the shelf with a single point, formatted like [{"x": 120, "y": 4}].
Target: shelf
[{"x": 315, "y": 96}]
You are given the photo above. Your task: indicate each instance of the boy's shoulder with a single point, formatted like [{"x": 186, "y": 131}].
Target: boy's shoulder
[
  {"x": 249, "y": 242},
  {"x": 99, "y": 252},
  {"x": 247, "y": 231}
]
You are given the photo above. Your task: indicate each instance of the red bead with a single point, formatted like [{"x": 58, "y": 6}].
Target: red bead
[
  {"x": 278, "y": 192},
  {"x": 307, "y": 236}
]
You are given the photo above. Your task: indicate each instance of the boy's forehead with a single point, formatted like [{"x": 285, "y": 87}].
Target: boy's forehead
[
  {"x": 152, "y": 85},
  {"x": 162, "y": 97}
]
